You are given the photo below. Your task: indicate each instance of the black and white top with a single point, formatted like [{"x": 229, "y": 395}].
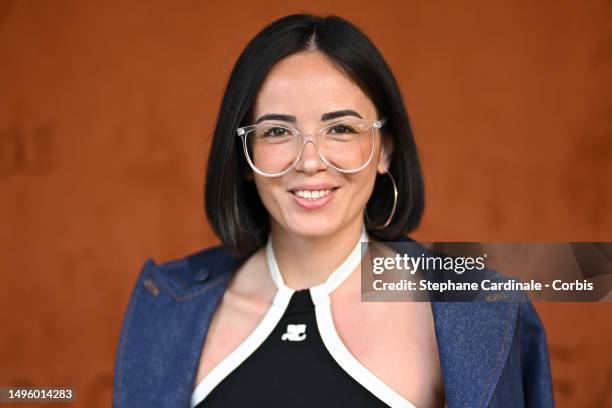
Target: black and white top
[{"x": 294, "y": 357}]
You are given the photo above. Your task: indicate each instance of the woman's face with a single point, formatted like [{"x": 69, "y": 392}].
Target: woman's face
[{"x": 306, "y": 85}]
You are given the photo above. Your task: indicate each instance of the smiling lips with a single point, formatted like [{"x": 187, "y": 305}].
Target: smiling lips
[{"x": 312, "y": 197}]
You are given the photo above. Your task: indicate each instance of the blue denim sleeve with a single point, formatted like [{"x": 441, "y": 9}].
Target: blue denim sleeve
[
  {"x": 121, "y": 381},
  {"x": 536, "y": 373}
]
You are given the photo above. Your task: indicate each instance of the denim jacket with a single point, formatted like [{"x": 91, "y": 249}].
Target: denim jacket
[{"x": 492, "y": 354}]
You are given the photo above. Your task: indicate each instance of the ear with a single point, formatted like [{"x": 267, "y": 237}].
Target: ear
[{"x": 386, "y": 152}]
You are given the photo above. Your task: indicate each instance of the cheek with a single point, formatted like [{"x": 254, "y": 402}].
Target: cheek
[
  {"x": 362, "y": 187},
  {"x": 269, "y": 193}
]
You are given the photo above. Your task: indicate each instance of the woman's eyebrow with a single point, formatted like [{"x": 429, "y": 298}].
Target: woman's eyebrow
[
  {"x": 293, "y": 119},
  {"x": 277, "y": 116},
  {"x": 338, "y": 114}
]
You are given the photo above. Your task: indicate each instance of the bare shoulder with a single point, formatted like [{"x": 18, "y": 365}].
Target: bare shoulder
[
  {"x": 394, "y": 340},
  {"x": 244, "y": 303},
  {"x": 248, "y": 296},
  {"x": 253, "y": 279}
]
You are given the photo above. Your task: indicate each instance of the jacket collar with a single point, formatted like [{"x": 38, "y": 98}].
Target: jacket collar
[{"x": 473, "y": 338}]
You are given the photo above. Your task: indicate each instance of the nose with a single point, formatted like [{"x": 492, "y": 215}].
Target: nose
[{"x": 310, "y": 160}]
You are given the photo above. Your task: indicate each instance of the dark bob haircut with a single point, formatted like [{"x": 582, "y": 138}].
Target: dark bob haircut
[{"x": 232, "y": 203}]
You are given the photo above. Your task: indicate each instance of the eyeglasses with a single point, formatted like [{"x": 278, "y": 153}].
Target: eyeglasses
[{"x": 346, "y": 145}]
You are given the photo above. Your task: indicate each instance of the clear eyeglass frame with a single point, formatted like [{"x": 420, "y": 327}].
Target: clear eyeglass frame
[{"x": 242, "y": 132}]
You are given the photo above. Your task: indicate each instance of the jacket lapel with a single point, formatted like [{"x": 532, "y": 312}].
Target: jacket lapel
[{"x": 474, "y": 339}]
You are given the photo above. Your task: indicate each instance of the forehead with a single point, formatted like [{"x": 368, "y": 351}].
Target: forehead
[{"x": 307, "y": 85}]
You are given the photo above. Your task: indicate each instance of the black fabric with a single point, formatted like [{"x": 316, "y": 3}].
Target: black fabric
[{"x": 291, "y": 373}]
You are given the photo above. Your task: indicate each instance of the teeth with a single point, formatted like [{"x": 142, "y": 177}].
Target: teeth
[{"x": 312, "y": 194}]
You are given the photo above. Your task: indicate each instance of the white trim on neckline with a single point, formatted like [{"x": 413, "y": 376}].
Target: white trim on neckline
[
  {"x": 339, "y": 275},
  {"x": 349, "y": 362},
  {"x": 245, "y": 348}
]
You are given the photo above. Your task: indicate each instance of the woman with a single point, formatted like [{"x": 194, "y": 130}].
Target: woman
[{"x": 312, "y": 155}]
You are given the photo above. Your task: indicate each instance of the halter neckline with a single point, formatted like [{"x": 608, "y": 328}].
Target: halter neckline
[{"x": 322, "y": 290}]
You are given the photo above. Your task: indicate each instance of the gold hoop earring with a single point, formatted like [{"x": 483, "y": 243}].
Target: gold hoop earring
[{"x": 392, "y": 209}]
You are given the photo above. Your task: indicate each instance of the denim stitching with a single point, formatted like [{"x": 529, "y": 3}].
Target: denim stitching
[
  {"x": 211, "y": 285},
  {"x": 128, "y": 319},
  {"x": 500, "y": 360}
]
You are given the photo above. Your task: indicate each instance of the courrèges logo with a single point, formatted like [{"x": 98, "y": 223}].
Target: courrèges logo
[{"x": 295, "y": 332}]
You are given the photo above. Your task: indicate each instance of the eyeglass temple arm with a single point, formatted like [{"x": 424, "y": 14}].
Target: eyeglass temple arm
[{"x": 380, "y": 122}]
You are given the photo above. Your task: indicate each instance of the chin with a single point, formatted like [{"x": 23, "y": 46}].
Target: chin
[{"x": 313, "y": 226}]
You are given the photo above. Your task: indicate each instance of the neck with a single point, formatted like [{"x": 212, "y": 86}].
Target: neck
[{"x": 306, "y": 261}]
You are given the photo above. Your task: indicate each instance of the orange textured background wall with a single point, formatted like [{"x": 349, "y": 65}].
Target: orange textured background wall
[{"x": 106, "y": 115}]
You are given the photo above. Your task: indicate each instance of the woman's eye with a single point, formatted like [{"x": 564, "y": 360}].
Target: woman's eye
[
  {"x": 342, "y": 129},
  {"x": 275, "y": 132}
]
